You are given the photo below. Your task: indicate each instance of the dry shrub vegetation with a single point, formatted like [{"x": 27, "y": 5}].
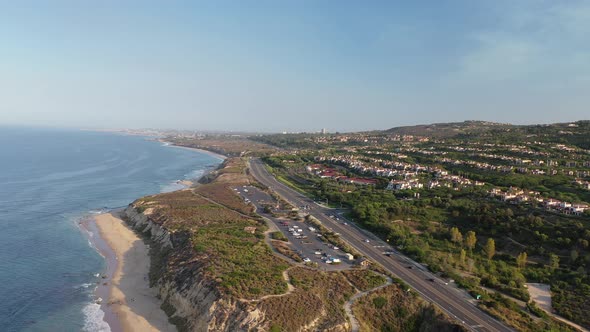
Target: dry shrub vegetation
[
  {"x": 183, "y": 210},
  {"x": 239, "y": 261},
  {"x": 507, "y": 310},
  {"x": 318, "y": 297},
  {"x": 231, "y": 175},
  {"x": 391, "y": 309},
  {"x": 224, "y": 195},
  {"x": 284, "y": 249},
  {"x": 243, "y": 266},
  {"x": 226, "y": 145},
  {"x": 364, "y": 280}
]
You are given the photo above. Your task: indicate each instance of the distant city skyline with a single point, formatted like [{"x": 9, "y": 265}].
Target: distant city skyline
[{"x": 271, "y": 66}]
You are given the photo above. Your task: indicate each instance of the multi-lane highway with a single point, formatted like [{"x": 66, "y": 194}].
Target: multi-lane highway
[{"x": 455, "y": 302}]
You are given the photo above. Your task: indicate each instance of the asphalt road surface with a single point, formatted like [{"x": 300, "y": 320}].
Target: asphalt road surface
[{"x": 454, "y": 301}]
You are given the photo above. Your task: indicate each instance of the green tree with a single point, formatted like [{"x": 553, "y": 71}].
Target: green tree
[
  {"x": 574, "y": 255},
  {"x": 521, "y": 260},
  {"x": 509, "y": 213},
  {"x": 490, "y": 248},
  {"x": 470, "y": 240},
  {"x": 553, "y": 262},
  {"x": 456, "y": 235},
  {"x": 462, "y": 256}
]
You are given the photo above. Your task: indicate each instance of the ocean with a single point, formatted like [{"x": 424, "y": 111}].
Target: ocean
[{"x": 50, "y": 180}]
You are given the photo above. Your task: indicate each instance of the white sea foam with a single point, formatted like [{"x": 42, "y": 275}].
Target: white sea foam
[
  {"x": 98, "y": 211},
  {"x": 172, "y": 187},
  {"x": 93, "y": 319},
  {"x": 91, "y": 245},
  {"x": 195, "y": 174}
]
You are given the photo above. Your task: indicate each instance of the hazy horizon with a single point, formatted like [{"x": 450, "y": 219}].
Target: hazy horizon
[
  {"x": 300, "y": 66},
  {"x": 115, "y": 128}
]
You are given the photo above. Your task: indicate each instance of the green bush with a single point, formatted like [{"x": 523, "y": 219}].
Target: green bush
[{"x": 379, "y": 302}]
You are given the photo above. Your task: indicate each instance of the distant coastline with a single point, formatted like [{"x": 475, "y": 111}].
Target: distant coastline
[
  {"x": 122, "y": 284},
  {"x": 209, "y": 152},
  {"x": 158, "y": 138}
]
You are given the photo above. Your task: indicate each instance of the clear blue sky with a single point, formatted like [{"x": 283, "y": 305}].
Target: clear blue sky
[{"x": 292, "y": 65}]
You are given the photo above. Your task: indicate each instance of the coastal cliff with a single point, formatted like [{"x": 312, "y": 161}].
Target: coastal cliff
[
  {"x": 214, "y": 271},
  {"x": 191, "y": 299}
]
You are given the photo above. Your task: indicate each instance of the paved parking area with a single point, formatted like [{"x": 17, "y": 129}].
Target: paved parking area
[{"x": 303, "y": 238}]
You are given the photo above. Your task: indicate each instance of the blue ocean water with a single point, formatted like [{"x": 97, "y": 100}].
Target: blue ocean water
[{"x": 50, "y": 179}]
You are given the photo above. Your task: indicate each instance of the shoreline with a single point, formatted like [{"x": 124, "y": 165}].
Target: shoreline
[
  {"x": 128, "y": 302},
  {"x": 103, "y": 284},
  {"x": 211, "y": 153},
  {"x": 119, "y": 285}
]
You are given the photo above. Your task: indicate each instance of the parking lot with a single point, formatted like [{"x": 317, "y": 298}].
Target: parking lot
[{"x": 303, "y": 239}]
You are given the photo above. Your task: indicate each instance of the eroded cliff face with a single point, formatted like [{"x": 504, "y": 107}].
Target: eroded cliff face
[{"x": 191, "y": 299}]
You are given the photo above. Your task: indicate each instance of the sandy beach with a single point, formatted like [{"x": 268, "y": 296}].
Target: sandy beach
[{"x": 130, "y": 299}]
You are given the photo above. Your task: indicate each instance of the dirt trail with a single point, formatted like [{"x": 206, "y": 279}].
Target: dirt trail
[
  {"x": 290, "y": 289},
  {"x": 541, "y": 294},
  {"x": 354, "y": 325}
]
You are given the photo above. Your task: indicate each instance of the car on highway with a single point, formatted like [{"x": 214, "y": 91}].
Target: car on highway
[
  {"x": 454, "y": 303},
  {"x": 367, "y": 240}
]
